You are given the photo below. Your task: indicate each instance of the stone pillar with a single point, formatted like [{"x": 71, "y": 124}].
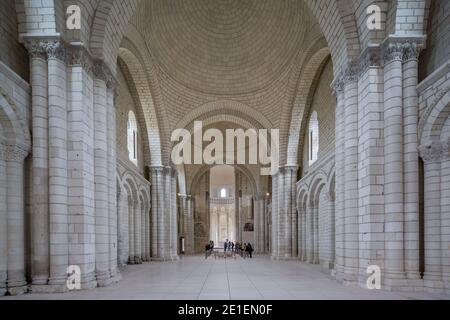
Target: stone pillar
[
  {"x": 40, "y": 219},
  {"x": 123, "y": 232},
  {"x": 154, "y": 216},
  {"x": 393, "y": 165},
  {"x": 143, "y": 207},
  {"x": 58, "y": 177},
  {"x": 173, "y": 215},
  {"x": 300, "y": 232},
  {"x": 131, "y": 230},
  {"x": 275, "y": 221},
  {"x": 338, "y": 88},
  {"x": 147, "y": 232},
  {"x": 3, "y": 224},
  {"x": 411, "y": 160},
  {"x": 102, "y": 209},
  {"x": 350, "y": 144},
  {"x": 190, "y": 246},
  {"x": 431, "y": 155},
  {"x": 112, "y": 174},
  {"x": 310, "y": 232},
  {"x": 315, "y": 215},
  {"x": 14, "y": 160},
  {"x": 445, "y": 214},
  {"x": 137, "y": 232}
]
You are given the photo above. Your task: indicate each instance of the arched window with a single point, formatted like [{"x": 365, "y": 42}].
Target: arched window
[
  {"x": 132, "y": 138},
  {"x": 313, "y": 138},
  {"x": 223, "y": 193}
]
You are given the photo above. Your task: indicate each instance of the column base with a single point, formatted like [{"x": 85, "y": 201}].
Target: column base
[
  {"x": 104, "y": 279},
  {"x": 17, "y": 287},
  {"x": 39, "y": 281},
  {"x": 283, "y": 258}
]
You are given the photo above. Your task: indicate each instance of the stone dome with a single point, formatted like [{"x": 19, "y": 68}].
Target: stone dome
[{"x": 223, "y": 46}]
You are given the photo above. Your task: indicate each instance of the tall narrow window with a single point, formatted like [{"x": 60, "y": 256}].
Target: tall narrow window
[
  {"x": 223, "y": 193},
  {"x": 132, "y": 138},
  {"x": 313, "y": 138}
]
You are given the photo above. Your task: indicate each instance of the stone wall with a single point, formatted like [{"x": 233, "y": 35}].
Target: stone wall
[
  {"x": 12, "y": 53},
  {"x": 438, "y": 42},
  {"x": 324, "y": 104},
  {"x": 125, "y": 104}
]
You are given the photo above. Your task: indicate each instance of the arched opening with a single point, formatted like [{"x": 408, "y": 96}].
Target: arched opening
[
  {"x": 132, "y": 138},
  {"x": 313, "y": 138}
]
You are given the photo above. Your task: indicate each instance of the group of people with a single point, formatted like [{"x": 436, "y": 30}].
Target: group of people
[{"x": 243, "y": 249}]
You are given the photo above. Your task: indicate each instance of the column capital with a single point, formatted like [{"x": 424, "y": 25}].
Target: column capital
[
  {"x": 402, "y": 48},
  {"x": 36, "y": 48},
  {"x": 56, "y": 49},
  {"x": 338, "y": 85},
  {"x": 156, "y": 170},
  {"x": 79, "y": 56},
  {"x": 435, "y": 151},
  {"x": 14, "y": 153}
]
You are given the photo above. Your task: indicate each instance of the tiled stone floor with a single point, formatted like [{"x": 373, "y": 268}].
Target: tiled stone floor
[{"x": 194, "y": 278}]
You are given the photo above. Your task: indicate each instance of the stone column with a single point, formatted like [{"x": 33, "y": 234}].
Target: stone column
[
  {"x": 256, "y": 221},
  {"x": 111, "y": 93},
  {"x": 350, "y": 144},
  {"x": 310, "y": 232},
  {"x": 147, "y": 232},
  {"x": 275, "y": 222},
  {"x": 58, "y": 177},
  {"x": 182, "y": 199},
  {"x": 316, "y": 231},
  {"x": 143, "y": 206},
  {"x": 131, "y": 230},
  {"x": 173, "y": 215},
  {"x": 300, "y": 232},
  {"x": 40, "y": 218},
  {"x": 332, "y": 239},
  {"x": 102, "y": 209},
  {"x": 3, "y": 224},
  {"x": 123, "y": 237},
  {"x": 154, "y": 232},
  {"x": 137, "y": 232},
  {"x": 445, "y": 214},
  {"x": 393, "y": 167},
  {"x": 431, "y": 155},
  {"x": 411, "y": 160},
  {"x": 14, "y": 159},
  {"x": 190, "y": 230},
  {"x": 338, "y": 89}
]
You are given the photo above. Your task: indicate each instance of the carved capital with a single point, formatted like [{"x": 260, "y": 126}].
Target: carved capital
[
  {"x": 370, "y": 58},
  {"x": 36, "y": 48},
  {"x": 79, "y": 56},
  {"x": 338, "y": 86},
  {"x": 434, "y": 151},
  {"x": 412, "y": 50},
  {"x": 393, "y": 52},
  {"x": 14, "y": 153},
  {"x": 351, "y": 72},
  {"x": 99, "y": 72},
  {"x": 56, "y": 49}
]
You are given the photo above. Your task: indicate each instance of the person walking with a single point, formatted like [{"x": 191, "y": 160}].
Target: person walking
[{"x": 249, "y": 249}]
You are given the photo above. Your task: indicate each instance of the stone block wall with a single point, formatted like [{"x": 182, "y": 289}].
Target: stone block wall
[
  {"x": 12, "y": 53},
  {"x": 324, "y": 104}
]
